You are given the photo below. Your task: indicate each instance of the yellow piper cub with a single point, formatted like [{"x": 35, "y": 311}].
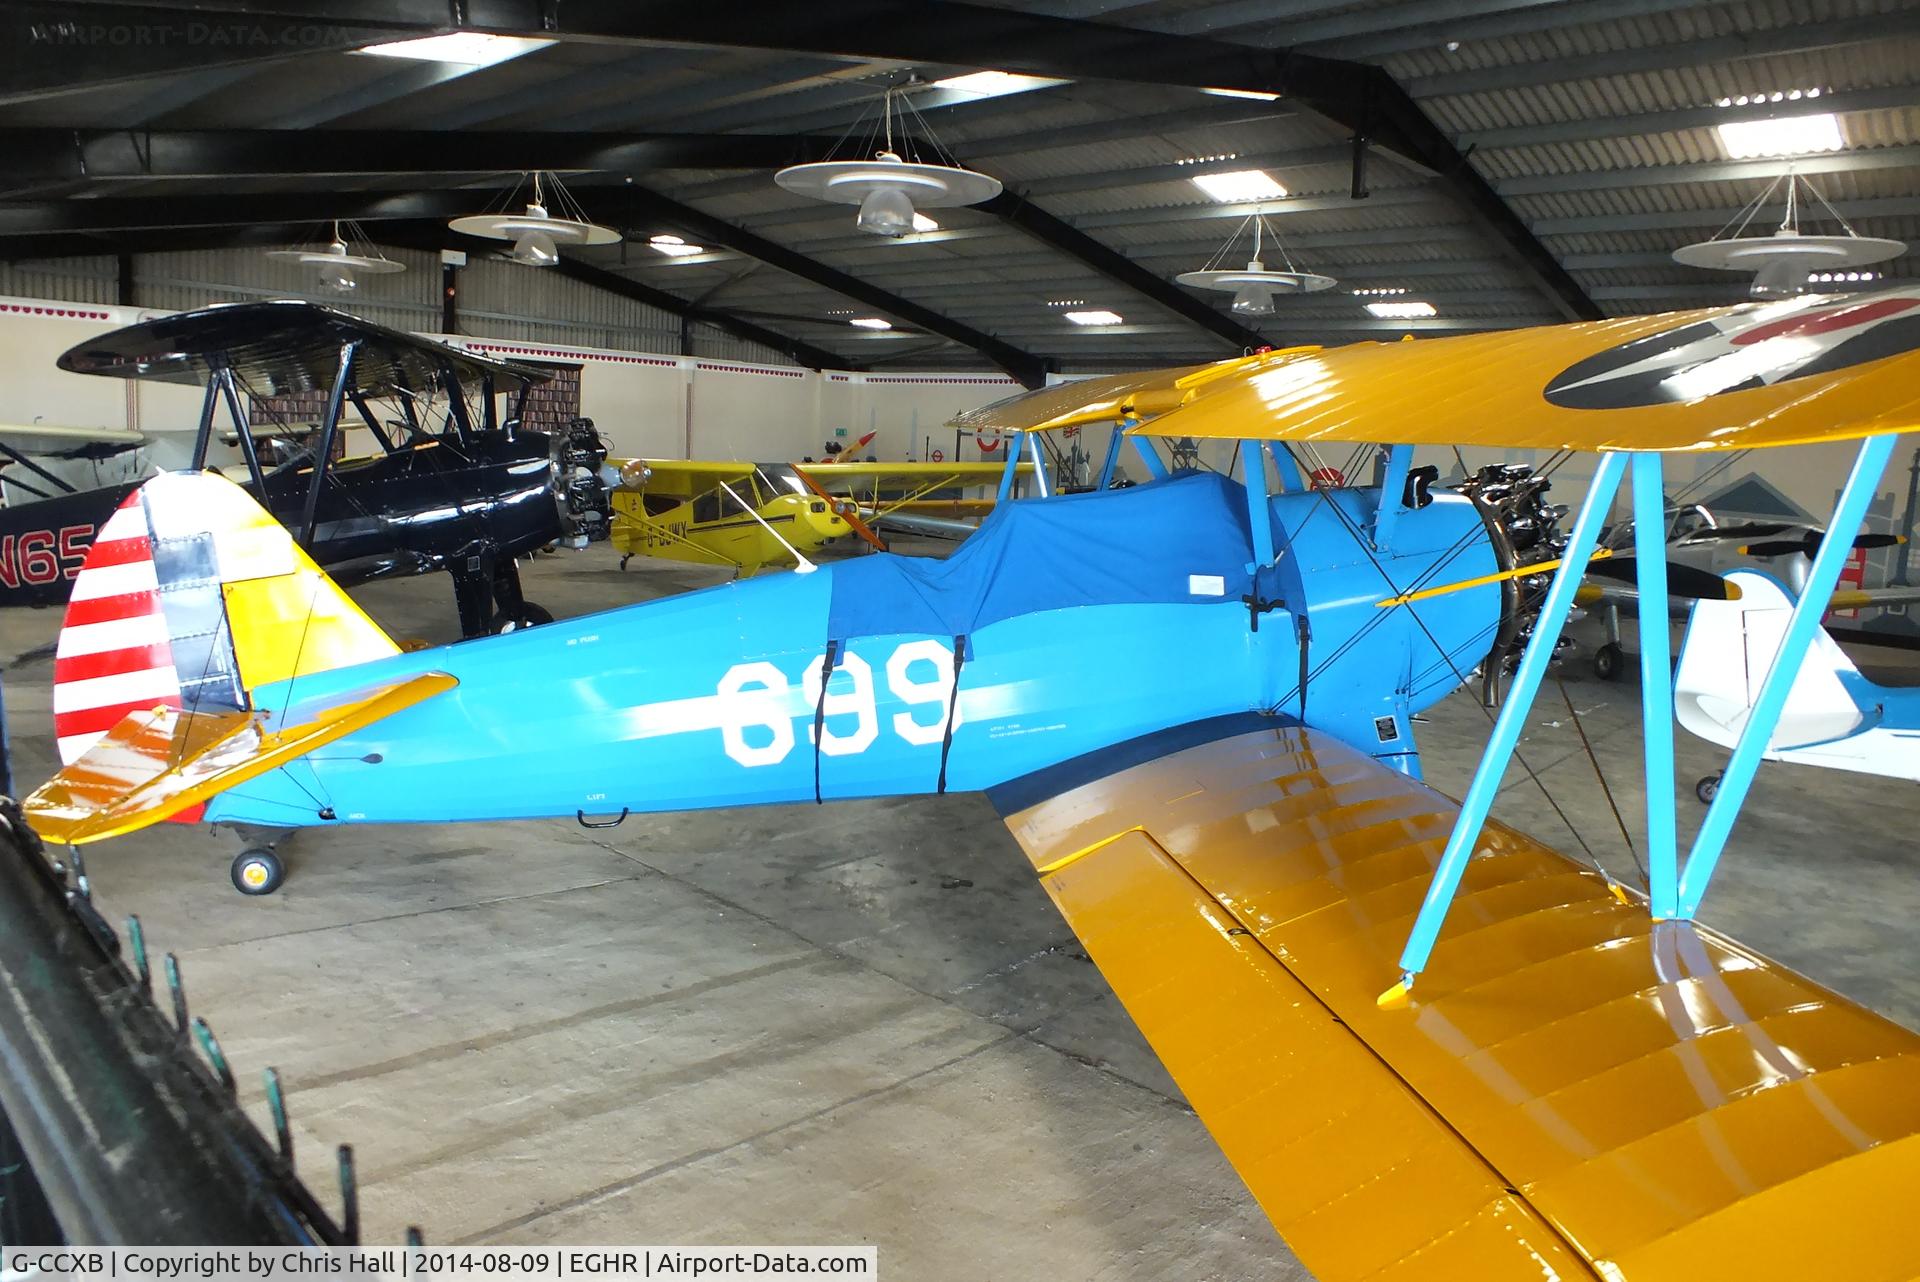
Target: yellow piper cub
[{"x": 754, "y": 515}]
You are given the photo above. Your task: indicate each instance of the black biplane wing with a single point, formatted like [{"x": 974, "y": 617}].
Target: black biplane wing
[{"x": 283, "y": 347}]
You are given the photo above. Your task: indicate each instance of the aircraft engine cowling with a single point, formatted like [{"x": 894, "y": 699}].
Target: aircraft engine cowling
[
  {"x": 1525, "y": 530},
  {"x": 579, "y": 490}
]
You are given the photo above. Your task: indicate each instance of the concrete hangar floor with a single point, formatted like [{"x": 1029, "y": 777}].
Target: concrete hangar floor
[{"x": 861, "y": 1022}]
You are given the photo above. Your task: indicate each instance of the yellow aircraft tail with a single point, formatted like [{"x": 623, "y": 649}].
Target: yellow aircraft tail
[{"x": 191, "y": 598}]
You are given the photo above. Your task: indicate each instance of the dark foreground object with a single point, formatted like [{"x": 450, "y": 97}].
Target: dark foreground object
[{"x": 89, "y": 1067}]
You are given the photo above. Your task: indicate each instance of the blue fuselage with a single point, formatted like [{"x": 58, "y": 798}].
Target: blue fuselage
[{"x": 1080, "y": 626}]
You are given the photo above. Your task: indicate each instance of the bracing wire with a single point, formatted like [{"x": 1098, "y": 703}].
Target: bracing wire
[
  {"x": 1545, "y": 793},
  {"x": 1606, "y": 790}
]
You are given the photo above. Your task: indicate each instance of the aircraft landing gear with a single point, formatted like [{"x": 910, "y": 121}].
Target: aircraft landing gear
[
  {"x": 527, "y": 616},
  {"x": 1706, "y": 789},
  {"x": 258, "y": 871},
  {"x": 1608, "y": 660},
  {"x": 623, "y": 560}
]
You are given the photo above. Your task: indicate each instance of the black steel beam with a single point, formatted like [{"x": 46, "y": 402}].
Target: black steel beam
[
  {"x": 1117, "y": 267},
  {"x": 64, "y": 155}
]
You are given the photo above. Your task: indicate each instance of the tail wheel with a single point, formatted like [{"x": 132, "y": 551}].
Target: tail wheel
[
  {"x": 1608, "y": 660},
  {"x": 528, "y": 615},
  {"x": 1707, "y": 789},
  {"x": 258, "y": 872}
]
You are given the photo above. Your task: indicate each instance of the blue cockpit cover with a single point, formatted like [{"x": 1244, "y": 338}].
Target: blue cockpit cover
[{"x": 1172, "y": 541}]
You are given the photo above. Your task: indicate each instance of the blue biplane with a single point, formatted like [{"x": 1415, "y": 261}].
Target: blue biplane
[{"x": 1192, "y": 700}]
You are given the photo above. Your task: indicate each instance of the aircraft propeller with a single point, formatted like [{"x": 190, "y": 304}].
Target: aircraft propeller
[
  {"x": 1810, "y": 544},
  {"x": 1689, "y": 583}
]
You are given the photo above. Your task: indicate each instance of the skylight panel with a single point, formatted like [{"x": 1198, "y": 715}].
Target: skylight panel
[
  {"x": 1793, "y": 136},
  {"x": 1240, "y": 185},
  {"x": 461, "y": 48},
  {"x": 1402, "y": 311}
]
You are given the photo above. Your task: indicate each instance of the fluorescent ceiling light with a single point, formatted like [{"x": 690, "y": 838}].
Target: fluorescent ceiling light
[
  {"x": 1760, "y": 99},
  {"x": 674, "y": 247},
  {"x": 993, "y": 84},
  {"x": 464, "y": 48},
  {"x": 923, "y": 223},
  {"x": 871, "y": 322},
  {"x": 1242, "y": 93},
  {"x": 1094, "y": 318},
  {"x": 1242, "y": 184},
  {"x": 1794, "y": 136},
  {"x": 1401, "y": 311},
  {"x": 1380, "y": 291}
]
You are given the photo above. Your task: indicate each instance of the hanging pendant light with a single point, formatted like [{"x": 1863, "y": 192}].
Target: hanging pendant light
[
  {"x": 536, "y": 234},
  {"x": 890, "y": 187},
  {"x": 1254, "y": 287},
  {"x": 1782, "y": 262},
  {"x": 337, "y": 262}
]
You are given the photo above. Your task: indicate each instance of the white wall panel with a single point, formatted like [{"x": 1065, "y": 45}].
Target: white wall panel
[
  {"x": 749, "y": 412},
  {"x": 909, "y": 409},
  {"x": 36, "y": 332}
]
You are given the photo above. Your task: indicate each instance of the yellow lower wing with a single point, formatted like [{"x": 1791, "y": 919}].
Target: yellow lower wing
[
  {"x": 155, "y": 764},
  {"x": 1573, "y": 1090}
]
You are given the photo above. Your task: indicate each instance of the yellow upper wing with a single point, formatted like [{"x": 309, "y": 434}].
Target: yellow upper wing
[
  {"x": 1787, "y": 373},
  {"x": 1105, "y": 398},
  {"x": 1574, "y": 1090},
  {"x": 687, "y": 478},
  {"x": 950, "y": 473}
]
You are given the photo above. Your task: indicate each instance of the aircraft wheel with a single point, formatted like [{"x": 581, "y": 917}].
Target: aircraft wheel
[
  {"x": 1706, "y": 789},
  {"x": 530, "y": 615},
  {"x": 623, "y": 560},
  {"x": 1608, "y": 660},
  {"x": 258, "y": 872}
]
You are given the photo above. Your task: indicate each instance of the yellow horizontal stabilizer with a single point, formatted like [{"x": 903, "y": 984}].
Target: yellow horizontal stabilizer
[
  {"x": 1570, "y": 1090},
  {"x": 153, "y": 765},
  {"x": 1785, "y": 373}
]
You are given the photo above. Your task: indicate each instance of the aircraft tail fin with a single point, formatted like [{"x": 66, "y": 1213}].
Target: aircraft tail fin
[
  {"x": 1729, "y": 647},
  {"x": 192, "y": 597}
]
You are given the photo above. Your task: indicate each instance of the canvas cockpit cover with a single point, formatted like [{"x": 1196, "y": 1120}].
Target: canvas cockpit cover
[{"x": 1179, "y": 541}]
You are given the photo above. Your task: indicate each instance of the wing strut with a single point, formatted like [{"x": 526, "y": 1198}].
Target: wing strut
[
  {"x": 1114, "y": 442},
  {"x": 1041, "y": 484},
  {"x": 1835, "y": 544},
  {"x": 1013, "y": 444},
  {"x": 1506, "y": 729},
  {"x": 1676, "y": 890},
  {"x": 1656, "y": 682}
]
